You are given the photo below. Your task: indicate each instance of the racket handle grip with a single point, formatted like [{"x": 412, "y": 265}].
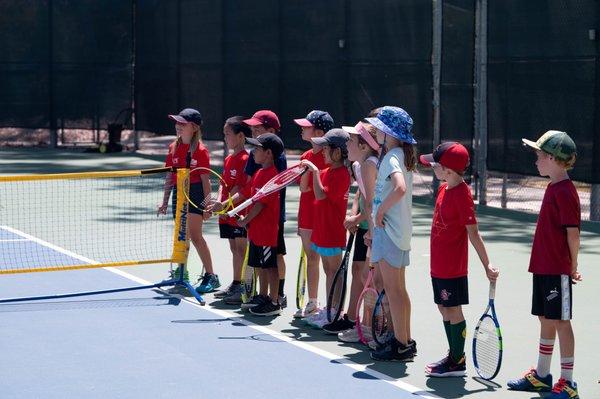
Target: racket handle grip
[
  {"x": 240, "y": 208},
  {"x": 492, "y": 294}
]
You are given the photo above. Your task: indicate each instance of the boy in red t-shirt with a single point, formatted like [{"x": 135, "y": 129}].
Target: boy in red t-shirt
[
  {"x": 235, "y": 132},
  {"x": 331, "y": 187},
  {"x": 554, "y": 265},
  {"x": 315, "y": 124},
  {"x": 262, "y": 222},
  {"x": 453, "y": 223}
]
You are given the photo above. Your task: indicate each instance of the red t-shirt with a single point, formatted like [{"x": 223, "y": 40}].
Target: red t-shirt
[
  {"x": 234, "y": 176},
  {"x": 449, "y": 242},
  {"x": 307, "y": 199},
  {"x": 263, "y": 229},
  {"x": 177, "y": 157},
  {"x": 328, "y": 230},
  {"x": 550, "y": 253}
]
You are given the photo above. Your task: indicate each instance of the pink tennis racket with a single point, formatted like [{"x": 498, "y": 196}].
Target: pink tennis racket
[{"x": 281, "y": 180}]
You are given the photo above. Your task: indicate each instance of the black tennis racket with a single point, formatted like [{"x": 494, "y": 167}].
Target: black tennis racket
[
  {"x": 337, "y": 293},
  {"x": 487, "y": 341},
  {"x": 382, "y": 320}
]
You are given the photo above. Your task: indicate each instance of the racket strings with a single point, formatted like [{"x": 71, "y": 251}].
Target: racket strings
[
  {"x": 366, "y": 308},
  {"x": 487, "y": 348}
]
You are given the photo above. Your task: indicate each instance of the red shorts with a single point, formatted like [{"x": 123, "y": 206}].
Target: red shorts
[{"x": 306, "y": 213}]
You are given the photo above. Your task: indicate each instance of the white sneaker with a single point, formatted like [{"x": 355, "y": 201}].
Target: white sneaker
[
  {"x": 319, "y": 320},
  {"x": 350, "y": 336},
  {"x": 315, "y": 316},
  {"x": 310, "y": 309}
]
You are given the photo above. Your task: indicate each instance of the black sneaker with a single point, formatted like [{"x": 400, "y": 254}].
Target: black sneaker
[
  {"x": 338, "y": 326},
  {"x": 257, "y": 300},
  {"x": 283, "y": 301},
  {"x": 267, "y": 309},
  {"x": 413, "y": 345},
  {"x": 393, "y": 351}
]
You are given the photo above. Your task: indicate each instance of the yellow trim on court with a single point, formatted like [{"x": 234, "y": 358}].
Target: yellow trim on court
[
  {"x": 82, "y": 175},
  {"x": 85, "y": 266}
]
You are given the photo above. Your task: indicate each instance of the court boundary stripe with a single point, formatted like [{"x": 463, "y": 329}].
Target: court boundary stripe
[{"x": 406, "y": 387}]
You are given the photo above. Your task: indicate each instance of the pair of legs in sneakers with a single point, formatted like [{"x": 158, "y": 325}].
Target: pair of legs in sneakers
[
  {"x": 401, "y": 347},
  {"x": 454, "y": 364},
  {"x": 269, "y": 266},
  {"x": 209, "y": 281},
  {"x": 540, "y": 379},
  {"x": 232, "y": 295}
]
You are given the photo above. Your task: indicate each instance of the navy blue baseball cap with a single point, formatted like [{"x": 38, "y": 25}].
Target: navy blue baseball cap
[
  {"x": 394, "y": 121},
  {"x": 267, "y": 141},
  {"x": 334, "y": 138},
  {"x": 317, "y": 119},
  {"x": 188, "y": 115}
]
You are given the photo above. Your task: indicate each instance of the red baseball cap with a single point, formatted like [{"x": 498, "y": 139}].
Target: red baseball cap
[
  {"x": 451, "y": 154},
  {"x": 264, "y": 117}
]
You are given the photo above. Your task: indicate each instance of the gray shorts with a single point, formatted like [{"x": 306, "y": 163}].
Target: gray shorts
[{"x": 382, "y": 247}]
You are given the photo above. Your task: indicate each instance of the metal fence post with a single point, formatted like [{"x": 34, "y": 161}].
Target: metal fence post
[
  {"x": 480, "y": 100},
  {"x": 436, "y": 66}
]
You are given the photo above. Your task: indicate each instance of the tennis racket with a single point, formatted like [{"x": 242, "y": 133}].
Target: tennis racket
[
  {"x": 301, "y": 280},
  {"x": 248, "y": 278},
  {"x": 365, "y": 306},
  {"x": 487, "y": 341},
  {"x": 217, "y": 183},
  {"x": 337, "y": 293},
  {"x": 381, "y": 321},
  {"x": 279, "y": 181}
]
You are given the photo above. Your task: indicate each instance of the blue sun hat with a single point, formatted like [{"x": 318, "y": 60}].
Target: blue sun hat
[{"x": 394, "y": 121}]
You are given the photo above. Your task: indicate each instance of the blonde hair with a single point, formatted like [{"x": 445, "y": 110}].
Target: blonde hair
[
  {"x": 196, "y": 139},
  {"x": 567, "y": 164}
]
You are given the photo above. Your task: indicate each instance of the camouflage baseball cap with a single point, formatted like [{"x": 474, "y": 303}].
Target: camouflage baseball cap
[{"x": 556, "y": 143}]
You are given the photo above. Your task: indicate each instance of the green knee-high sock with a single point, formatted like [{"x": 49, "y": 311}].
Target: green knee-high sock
[
  {"x": 458, "y": 335},
  {"x": 447, "y": 329}
]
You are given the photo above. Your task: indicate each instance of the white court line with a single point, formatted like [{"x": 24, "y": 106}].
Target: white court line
[
  {"x": 15, "y": 240},
  {"x": 411, "y": 389}
]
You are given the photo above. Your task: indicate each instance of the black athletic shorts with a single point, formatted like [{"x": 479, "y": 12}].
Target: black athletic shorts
[
  {"x": 197, "y": 197},
  {"x": 231, "y": 232},
  {"x": 360, "y": 248},
  {"x": 450, "y": 292},
  {"x": 281, "y": 249},
  {"x": 552, "y": 296},
  {"x": 262, "y": 257}
]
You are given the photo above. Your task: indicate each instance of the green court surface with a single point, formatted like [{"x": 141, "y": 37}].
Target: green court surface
[{"x": 508, "y": 236}]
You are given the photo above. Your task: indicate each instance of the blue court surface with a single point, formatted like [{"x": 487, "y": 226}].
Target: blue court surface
[{"x": 148, "y": 344}]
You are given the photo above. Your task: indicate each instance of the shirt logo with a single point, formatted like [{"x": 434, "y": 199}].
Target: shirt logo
[
  {"x": 194, "y": 162},
  {"x": 175, "y": 160},
  {"x": 233, "y": 173}
]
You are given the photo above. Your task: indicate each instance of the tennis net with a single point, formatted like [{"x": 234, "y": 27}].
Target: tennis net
[{"x": 87, "y": 220}]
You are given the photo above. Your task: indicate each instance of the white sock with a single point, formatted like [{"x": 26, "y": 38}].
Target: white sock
[
  {"x": 566, "y": 368},
  {"x": 545, "y": 357}
]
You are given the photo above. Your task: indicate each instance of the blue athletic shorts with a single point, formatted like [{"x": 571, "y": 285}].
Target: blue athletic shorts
[
  {"x": 327, "y": 251},
  {"x": 382, "y": 248}
]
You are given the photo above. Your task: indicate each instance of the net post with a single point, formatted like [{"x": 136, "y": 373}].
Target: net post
[
  {"x": 181, "y": 242},
  {"x": 480, "y": 100}
]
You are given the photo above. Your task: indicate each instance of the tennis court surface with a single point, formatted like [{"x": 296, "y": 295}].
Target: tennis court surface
[{"x": 149, "y": 344}]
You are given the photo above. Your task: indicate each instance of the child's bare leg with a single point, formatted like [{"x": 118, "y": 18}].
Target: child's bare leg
[
  {"x": 312, "y": 264},
  {"x": 195, "y": 230}
]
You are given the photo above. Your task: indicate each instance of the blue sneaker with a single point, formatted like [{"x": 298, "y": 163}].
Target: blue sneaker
[
  {"x": 208, "y": 283},
  {"x": 531, "y": 382},
  {"x": 564, "y": 389}
]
